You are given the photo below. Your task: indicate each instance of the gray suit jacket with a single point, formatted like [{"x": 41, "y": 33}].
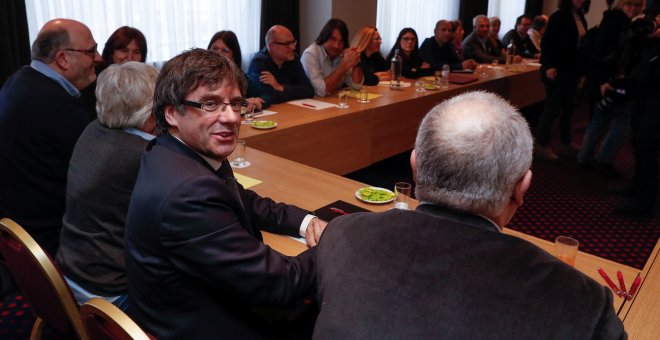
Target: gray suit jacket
[{"x": 443, "y": 274}]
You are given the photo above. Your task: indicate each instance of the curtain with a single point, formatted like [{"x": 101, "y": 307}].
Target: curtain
[
  {"x": 170, "y": 26},
  {"x": 15, "y": 42},
  {"x": 507, "y": 11},
  {"x": 394, "y": 15},
  {"x": 533, "y": 7},
  {"x": 469, "y": 10},
  {"x": 280, "y": 12}
]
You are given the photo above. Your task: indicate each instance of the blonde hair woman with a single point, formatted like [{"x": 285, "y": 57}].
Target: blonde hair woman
[{"x": 373, "y": 65}]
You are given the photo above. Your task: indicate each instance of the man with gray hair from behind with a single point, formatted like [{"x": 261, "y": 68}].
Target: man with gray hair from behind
[
  {"x": 446, "y": 270},
  {"x": 101, "y": 176}
]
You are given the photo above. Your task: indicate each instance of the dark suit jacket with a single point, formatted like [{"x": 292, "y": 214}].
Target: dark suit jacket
[
  {"x": 473, "y": 49},
  {"x": 39, "y": 126},
  {"x": 560, "y": 44},
  {"x": 291, "y": 75},
  {"x": 524, "y": 45},
  {"x": 195, "y": 262},
  {"x": 437, "y": 55},
  {"x": 442, "y": 274}
]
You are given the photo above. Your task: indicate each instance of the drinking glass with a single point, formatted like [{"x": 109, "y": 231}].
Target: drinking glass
[
  {"x": 364, "y": 95},
  {"x": 437, "y": 75},
  {"x": 566, "y": 248},
  {"x": 495, "y": 62},
  {"x": 419, "y": 85},
  {"x": 402, "y": 191},
  {"x": 248, "y": 114},
  {"x": 239, "y": 155},
  {"x": 343, "y": 99}
]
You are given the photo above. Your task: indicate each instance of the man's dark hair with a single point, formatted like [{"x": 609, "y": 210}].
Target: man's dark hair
[
  {"x": 331, "y": 25},
  {"x": 185, "y": 73},
  {"x": 539, "y": 22},
  {"x": 519, "y": 19},
  {"x": 48, "y": 43}
]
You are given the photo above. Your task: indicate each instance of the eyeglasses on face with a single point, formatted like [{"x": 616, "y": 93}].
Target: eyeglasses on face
[
  {"x": 377, "y": 39},
  {"x": 292, "y": 43},
  {"x": 90, "y": 51},
  {"x": 212, "y": 106},
  {"x": 408, "y": 38}
]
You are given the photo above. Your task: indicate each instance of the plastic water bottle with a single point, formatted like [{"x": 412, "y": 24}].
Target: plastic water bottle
[
  {"x": 395, "y": 70},
  {"x": 510, "y": 53},
  {"x": 445, "y": 76}
]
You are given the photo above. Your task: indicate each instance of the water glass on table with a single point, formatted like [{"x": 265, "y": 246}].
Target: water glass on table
[
  {"x": 402, "y": 190},
  {"x": 239, "y": 160},
  {"x": 419, "y": 85},
  {"x": 363, "y": 96},
  {"x": 343, "y": 99},
  {"x": 566, "y": 248},
  {"x": 248, "y": 114}
]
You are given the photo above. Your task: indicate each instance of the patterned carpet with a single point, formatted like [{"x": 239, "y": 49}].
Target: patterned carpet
[{"x": 564, "y": 199}]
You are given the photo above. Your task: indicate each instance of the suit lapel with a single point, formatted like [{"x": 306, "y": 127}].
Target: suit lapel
[{"x": 225, "y": 173}]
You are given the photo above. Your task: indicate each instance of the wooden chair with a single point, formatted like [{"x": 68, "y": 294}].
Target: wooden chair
[
  {"x": 104, "y": 321},
  {"x": 41, "y": 282}
]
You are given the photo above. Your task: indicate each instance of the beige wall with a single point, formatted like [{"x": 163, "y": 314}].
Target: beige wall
[
  {"x": 315, "y": 13},
  {"x": 594, "y": 16}
]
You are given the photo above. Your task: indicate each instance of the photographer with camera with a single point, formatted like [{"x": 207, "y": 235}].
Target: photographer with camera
[
  {"x": 609, "y": 65},
  {"x": 644, "y": 88}
]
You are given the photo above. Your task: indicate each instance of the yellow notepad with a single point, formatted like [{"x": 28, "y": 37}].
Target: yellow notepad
[{"x": 246, "y": 181}]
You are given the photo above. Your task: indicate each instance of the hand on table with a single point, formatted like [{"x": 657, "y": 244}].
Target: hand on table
[{"x": 314, "y": 231}]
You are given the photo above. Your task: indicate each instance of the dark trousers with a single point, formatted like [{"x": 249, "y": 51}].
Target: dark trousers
[
  {"x": 645, "y": 122},
  {"x": 559, "y": 103}
]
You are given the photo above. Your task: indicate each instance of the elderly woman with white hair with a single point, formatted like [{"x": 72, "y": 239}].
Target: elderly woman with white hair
[{"x": 101, "y": 176}]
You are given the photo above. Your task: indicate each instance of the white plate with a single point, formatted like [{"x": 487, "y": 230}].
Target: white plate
[
  {"x": 254, "y": 124},
  {"x": 357, "y": 195}
]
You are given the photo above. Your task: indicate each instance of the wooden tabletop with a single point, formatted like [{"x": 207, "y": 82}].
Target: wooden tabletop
[
  {"x": 344, "y": 140},
  {"x": 309, "y": 188}
]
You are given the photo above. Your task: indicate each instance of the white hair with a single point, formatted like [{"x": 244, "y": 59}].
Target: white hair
[
  {"x": 471, "y": 151},
  {"x": 124, "y": 94}
]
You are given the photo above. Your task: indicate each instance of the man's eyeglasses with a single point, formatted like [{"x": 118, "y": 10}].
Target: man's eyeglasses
[
  {"x": 90, "y": 51},
  {"x": 286, "y": 43},
  {"x": 212, "y": 106}
]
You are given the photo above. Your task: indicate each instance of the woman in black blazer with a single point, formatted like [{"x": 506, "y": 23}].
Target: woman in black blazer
[{"x": 559, "y": 73}]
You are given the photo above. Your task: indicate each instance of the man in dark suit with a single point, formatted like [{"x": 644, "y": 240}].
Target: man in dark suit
[
  {"x": 278, "y": 67},
  {"x": 521, "y": 40},
  {"x": 41, "y": 118},
  {"x": 446, "y": 270},
  {"x": 195, "y": 261},
  {"x": 437, "y": 50},
  {"x": 474, "y": 45}
]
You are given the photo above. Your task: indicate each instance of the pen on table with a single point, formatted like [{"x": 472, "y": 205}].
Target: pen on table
[
  {"x": 609, "y": 282},
  {"x": 309, "y": 105},
  {"x": 338, "y": 211},
  {"x": 633, "y": 288},
  {"x": 622, "y": 285}
]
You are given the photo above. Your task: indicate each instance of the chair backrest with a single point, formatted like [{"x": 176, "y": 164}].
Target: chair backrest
[
  {"x": 40, "y": 280},
  {"x": 104, "y": 321}
]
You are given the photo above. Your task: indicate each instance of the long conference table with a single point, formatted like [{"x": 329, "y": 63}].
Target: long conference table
[
  {"x": 344, "y": 140},
  {"x": 298, "y": 163},
  {"x": 310, "y": 188}
]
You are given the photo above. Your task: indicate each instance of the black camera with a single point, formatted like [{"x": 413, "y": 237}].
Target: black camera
[{"x": 614, "y": 97}]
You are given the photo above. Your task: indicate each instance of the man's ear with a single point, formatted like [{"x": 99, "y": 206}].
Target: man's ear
[
  {"x": 521, "y": 188},
  {"x": 171, "y": 116},
  {"x": 413, "y": 164},
  {"x": 62, "y": 60}
]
